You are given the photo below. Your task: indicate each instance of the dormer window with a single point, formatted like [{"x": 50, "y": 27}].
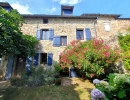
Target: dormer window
[{"x": 67, "y": 10}]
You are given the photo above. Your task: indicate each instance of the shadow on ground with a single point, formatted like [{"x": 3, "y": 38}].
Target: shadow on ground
[{"x": 79, "y": 91}]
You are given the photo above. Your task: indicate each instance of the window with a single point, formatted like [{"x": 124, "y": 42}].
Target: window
[
  {"x": 43, "y": 58},
  {"x": 63, "y": 40},
  {"x": 67, "y": 12},
  {"x": 79, "y": 35},
  {"x": 60, "y": 41},
  {"x": 46, "y": 58},
  {"x": 45, "y": 21},
  {"x": 45, "y": 34},
  {"x": 107, "y": 27}
]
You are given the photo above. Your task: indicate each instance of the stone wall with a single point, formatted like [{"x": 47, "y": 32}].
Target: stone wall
[
  {"x": 67, "y": 27},
  {"x": 123, "y": 25},
  {"x": 62, "y": 27}
]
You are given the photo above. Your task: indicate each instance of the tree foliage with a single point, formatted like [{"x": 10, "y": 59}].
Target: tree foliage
[
  {"x": 125, "y": 46},
  {"x": 12, "y": 40}
]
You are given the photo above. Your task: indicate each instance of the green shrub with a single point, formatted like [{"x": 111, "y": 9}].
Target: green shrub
[
  {"x": 57, "y": 67},
  {"x": 125, "y": 46},
  {"x": 118, "y": 87},
  {"x": 93, "y": 58},
  {"x": 38, "y": 77},
  {"x": 18, "y": 82}
]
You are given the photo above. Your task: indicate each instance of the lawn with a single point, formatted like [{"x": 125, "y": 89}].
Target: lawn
[{"x": 79, "y": 91}]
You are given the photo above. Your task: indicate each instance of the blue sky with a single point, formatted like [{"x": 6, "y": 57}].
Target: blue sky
[{"x": 81, "y": 6}]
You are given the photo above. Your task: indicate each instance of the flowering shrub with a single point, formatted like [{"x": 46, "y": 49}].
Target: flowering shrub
[
  {"x": 97, "y": 95},
  {"x": 96, "y": 81},
  {"x": 118, "y": 87},
  {"x": 93, "y": 58}
]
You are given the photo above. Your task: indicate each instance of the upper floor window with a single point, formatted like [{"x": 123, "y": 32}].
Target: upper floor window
[
  {"x": 45, "y": 21},
  {"x": 107, "y": 27},
  {"x": 63, "y": 40},
  {"x": 79, "y": 34},
  {"x": 60, "y": 41},
  {"x": 45, "y": 34}
]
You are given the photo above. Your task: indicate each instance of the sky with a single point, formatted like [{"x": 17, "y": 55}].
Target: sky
[{"x": 53, "y": 7}]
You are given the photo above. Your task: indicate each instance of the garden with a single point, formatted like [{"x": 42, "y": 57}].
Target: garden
[{"x": 94, "y": 62}]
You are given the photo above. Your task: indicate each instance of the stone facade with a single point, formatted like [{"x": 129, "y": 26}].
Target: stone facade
[
  {"x": 123, "y": 25},
  {"x": 67, "y": 27}
]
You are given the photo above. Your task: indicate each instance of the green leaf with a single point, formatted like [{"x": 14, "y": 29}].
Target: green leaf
[{"x": 122, "y": 94}]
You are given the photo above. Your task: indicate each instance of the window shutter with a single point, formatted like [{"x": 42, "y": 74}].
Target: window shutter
[
  {"x": 50, "y": 57},
  {"x": 38, "y": 34},
  {"x": 43, "y": 35},
  {"x": 88, "y": 34},
  {"x": 48, "y": 35},
  {"x": 56, "y": 41},
  {"x": 51, "y": 34},
  {"x": 77, "y": 35},
  {"x": 29, "y": 61},
  {"x": 36, "y": 59}
]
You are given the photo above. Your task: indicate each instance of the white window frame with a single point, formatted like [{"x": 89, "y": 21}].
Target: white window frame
[{"x": 107, "y": 26}]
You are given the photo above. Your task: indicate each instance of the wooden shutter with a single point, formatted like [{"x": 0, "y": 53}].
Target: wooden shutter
[
  {"x": 51, "y": 34},
  {"x": 88, "y": 34},
  {"x": 50, "y": 58},
  {"x": 9, "y": 67},
  {"x": 38, "y": 34},
  {"x": 77, "y": 35},
  {"x": 56, "y": 41},
  {"x": 36, "y": 59},
  {"x": 43, "y": 35}
]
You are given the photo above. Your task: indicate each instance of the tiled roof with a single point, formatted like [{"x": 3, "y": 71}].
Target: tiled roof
[{"x": 5, "y": 4}]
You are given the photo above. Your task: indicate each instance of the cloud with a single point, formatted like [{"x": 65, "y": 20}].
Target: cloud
[
  {"x": 51, "y": 10},
  {"x": 22, "y": 9},
  {"x": 70, "y": 2}
]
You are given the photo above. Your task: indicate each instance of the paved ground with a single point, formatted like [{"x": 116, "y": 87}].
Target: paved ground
[{"x": 3, "y": 86}]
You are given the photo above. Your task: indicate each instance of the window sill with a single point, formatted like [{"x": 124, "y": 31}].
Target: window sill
[
  {"x": 63, "y": 46},
  {"x": 45, "y": 40}
]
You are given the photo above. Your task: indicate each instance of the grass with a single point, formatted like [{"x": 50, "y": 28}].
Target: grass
[{"x": 79, "y": 91}]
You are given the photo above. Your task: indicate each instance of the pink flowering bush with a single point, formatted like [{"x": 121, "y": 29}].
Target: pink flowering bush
[{"x": 92, "y": 58}]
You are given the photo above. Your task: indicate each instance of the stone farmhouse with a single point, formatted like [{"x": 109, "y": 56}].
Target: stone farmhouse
[{"x": 55, "y": 32}]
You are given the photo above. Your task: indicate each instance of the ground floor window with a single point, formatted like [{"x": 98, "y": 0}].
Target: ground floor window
[{"x": 40, "y": 59}]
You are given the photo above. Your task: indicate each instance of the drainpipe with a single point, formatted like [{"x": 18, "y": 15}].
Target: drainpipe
[
  {"x": 39, "y": 48},
  {"x": 94, "y": 24}
]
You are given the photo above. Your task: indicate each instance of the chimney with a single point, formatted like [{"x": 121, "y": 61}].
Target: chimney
[{"x": 67, "y": 10}]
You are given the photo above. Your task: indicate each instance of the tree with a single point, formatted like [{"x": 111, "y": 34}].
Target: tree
[{"x": 12, "y": 40}]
